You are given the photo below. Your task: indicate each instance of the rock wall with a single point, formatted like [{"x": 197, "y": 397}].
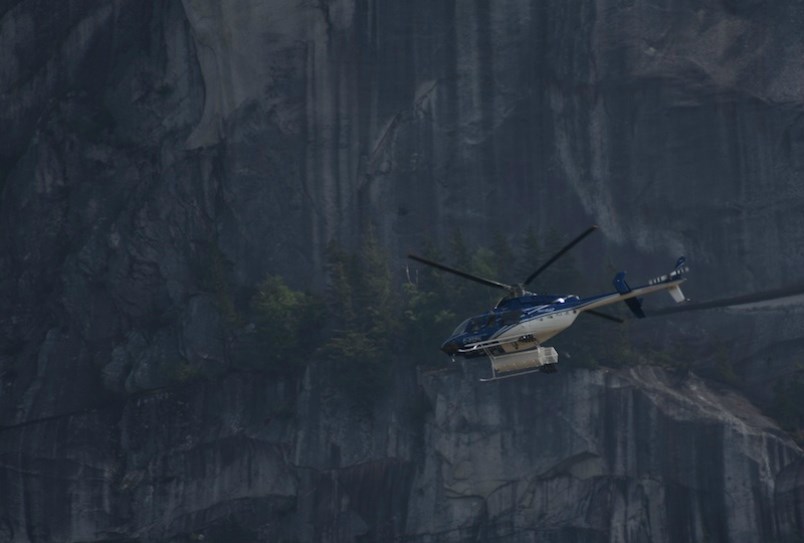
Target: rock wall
[
  {"x": 634, "y": 455},
  {"x": 157, "y": 159}
]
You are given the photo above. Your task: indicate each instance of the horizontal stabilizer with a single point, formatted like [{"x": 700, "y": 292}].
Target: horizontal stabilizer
[
  {"x": 620, "y": 284},
  {"x": 634, "y": 304}
]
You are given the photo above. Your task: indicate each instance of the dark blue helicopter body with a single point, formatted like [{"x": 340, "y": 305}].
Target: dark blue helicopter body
[
  {"x": 535, "y": 318},
  {"x": 508, "y": 313}
]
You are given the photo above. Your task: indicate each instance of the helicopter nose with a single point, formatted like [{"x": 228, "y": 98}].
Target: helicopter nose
[{"x": 450, "y": 347}]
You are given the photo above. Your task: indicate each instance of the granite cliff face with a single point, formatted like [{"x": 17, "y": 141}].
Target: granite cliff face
[
  {"x": 150, "y": 148},
  {"x": 634, "y": 455}
]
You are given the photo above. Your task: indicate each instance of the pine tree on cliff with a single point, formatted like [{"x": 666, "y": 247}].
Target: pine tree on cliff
[
  {"x": 362, "y": 315},
  {"x": 288, "y": 324}
]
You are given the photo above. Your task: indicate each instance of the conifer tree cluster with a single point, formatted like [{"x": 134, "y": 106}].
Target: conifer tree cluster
[
  {"x": 286, "y": 321},
  {"x": 362, "y": 305}
]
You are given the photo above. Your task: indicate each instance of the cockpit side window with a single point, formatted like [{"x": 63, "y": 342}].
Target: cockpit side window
[
  {"x": 511, "y": 317},
  {"x": 461, "y": 328},
  {"x": 475, "y": 325}
]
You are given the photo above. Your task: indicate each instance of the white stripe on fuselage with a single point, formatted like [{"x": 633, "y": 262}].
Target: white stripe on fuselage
[{"x": 542, "y": 326}]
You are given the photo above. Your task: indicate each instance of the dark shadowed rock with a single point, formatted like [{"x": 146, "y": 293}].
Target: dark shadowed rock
[{"x": 636, "y": 455}]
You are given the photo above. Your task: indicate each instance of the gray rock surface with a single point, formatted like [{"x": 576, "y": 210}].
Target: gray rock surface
[
  {"x": 634, "y": 455},
  {"x": 157, "y": 159}
]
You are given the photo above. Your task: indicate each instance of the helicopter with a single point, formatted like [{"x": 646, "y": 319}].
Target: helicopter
[{"x": 512, "y": 334}]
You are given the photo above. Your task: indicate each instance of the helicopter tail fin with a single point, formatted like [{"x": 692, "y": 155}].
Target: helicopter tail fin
[
  {"x": 634, "y": 304},
  {"x": 677, "y": 295},
  {"x": 678, "y": 272}
]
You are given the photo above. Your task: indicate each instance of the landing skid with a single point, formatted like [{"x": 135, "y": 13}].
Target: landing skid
[{"x": 542, "y": 359}]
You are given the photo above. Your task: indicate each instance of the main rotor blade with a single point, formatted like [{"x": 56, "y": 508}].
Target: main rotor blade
[
  {"x": 465, "y": 275},
  {"x": 757, "y": 297},
  {"x": 559, "y": 254},
  {"x": 604, "y": 316}
]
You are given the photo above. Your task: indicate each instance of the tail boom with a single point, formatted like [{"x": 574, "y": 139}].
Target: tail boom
[{"x": 670, "y": 282}]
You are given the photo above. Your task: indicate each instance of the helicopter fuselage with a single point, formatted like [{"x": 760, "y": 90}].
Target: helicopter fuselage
[
  {"x": 532, "y": 318},
  {"x": 525, "y": 322}
]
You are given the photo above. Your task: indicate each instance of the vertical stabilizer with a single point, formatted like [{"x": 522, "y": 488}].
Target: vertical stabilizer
[{"x": 677, "y": 295}]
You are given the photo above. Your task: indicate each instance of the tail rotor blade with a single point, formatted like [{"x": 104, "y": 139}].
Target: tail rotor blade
[
  {"x": 560, "y": 253},
  {"x": 757, "y": 297}
]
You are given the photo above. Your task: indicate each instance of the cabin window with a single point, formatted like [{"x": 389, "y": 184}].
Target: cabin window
[
  {"x": 461, "y": 328},
  {"x": 475, "y": 324},
  {"x": 479, "y": 323},
  {"x": 511, "y": 317}
]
